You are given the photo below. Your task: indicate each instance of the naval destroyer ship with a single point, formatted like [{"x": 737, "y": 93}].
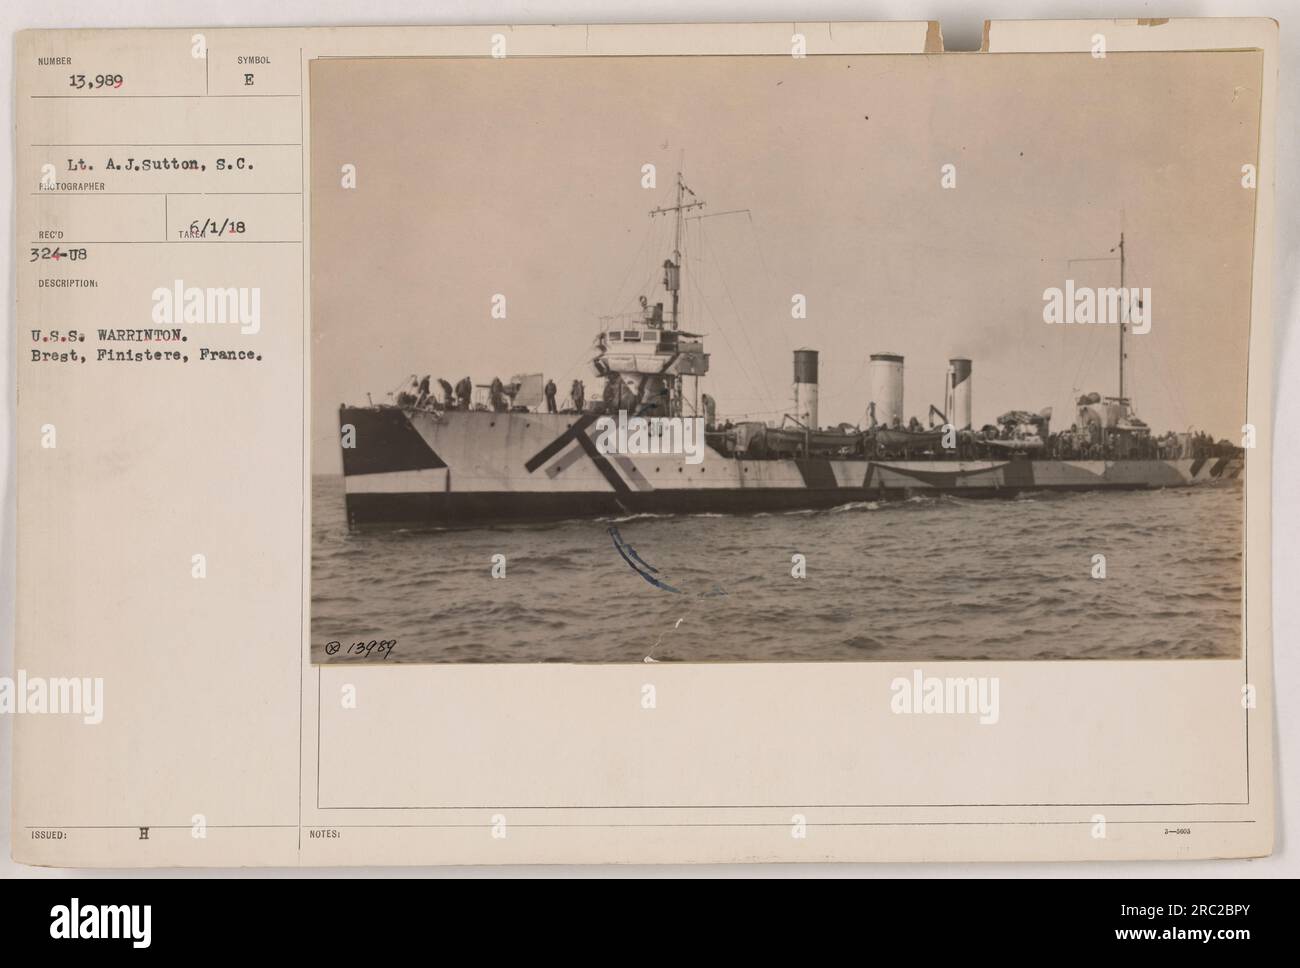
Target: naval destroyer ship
[{"x": 469, "y": 457}]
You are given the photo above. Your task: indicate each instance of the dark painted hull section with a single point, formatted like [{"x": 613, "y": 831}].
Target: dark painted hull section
[
  {"x": 385, "y": 441},
  {"x": 450, "y": 510}
]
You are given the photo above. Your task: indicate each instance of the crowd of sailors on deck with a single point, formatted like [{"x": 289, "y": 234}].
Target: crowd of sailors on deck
[
  {"x": 420, "y": 394},
  {"x": 1077, "y": 444}
]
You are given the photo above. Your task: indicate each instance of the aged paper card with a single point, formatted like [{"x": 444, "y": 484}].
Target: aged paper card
[{"x": 644, "y": 444}]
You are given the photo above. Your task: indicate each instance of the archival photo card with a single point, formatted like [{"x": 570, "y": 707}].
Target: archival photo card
[{"x": 644, "y": 444}]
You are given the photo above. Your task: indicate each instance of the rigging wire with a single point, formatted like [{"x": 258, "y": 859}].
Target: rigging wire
[
  {"x": 1173, "y": 393},
  {"x": 767, "y": 274},
  {"x": 404, "y": 384},
  {"x": 704, "y": 301},
  {"x": 763, "y": 390},
  {"x": 750, "y": 378},
  {"x": 1086, "y": 360},
  {"x": 636, "y": 259}
]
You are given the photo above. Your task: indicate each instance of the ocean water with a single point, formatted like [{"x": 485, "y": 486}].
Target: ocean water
[{"x": 924, "y": 579}]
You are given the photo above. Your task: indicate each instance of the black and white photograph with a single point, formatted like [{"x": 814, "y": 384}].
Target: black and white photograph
[{"x": 780, "y": 358}]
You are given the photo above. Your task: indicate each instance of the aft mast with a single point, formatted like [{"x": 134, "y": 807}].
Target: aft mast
[{"x": 1123, "y": 320}]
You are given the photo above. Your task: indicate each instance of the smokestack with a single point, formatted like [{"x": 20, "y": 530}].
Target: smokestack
[
  {"x": 958, "y": 404},
  {"x": 887, "y": 388},
  {"x": 805, "y": 388}
]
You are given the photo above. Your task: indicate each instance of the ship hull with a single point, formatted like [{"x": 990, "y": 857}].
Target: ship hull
[{"x": 423, "y": 469}]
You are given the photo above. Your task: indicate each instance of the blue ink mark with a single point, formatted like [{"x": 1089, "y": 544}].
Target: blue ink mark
[{"x": 637, "y": 564}]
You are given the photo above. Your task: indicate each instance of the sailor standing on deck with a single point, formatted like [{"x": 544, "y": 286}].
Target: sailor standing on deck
[
  {"x": 577, "y": 393},
  {"x": 550, "y": 396},
  {"x": 497, "y": 395}
]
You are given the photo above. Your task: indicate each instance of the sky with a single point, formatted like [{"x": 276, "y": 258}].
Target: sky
[{"x": 523, "y": 177}]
